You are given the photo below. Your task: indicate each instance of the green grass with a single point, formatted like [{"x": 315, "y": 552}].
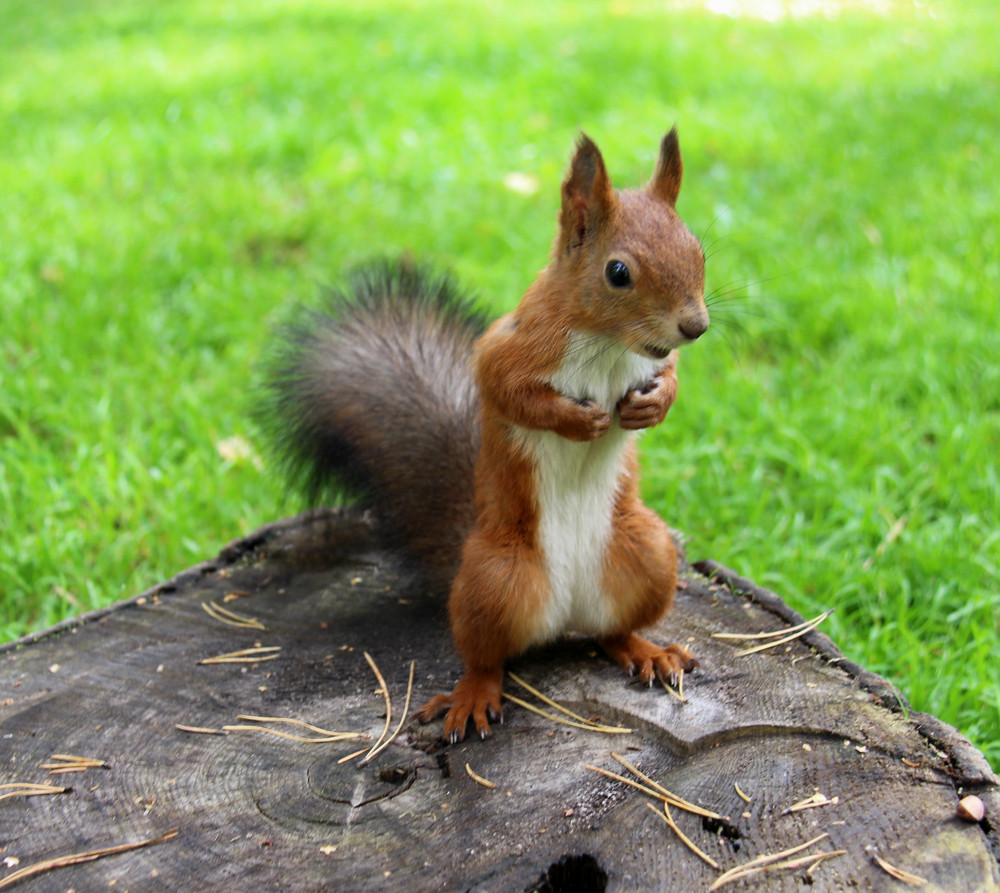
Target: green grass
[{"x": 172, "y": 175}]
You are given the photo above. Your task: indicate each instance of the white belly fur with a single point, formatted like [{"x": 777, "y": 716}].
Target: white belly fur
[{"x": 576, "y": 485}]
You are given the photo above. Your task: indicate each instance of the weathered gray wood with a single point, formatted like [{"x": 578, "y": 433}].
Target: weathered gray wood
[{"x": 258, "y": 812}]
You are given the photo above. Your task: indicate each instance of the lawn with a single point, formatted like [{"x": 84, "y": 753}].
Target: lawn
[{"x": 174, "y": 175}]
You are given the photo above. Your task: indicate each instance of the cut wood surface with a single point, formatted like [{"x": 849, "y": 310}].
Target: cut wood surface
[{"x": 785, "y": 745}]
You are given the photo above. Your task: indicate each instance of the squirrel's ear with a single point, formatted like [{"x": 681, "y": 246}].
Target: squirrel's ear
[
  {"x": 587, "y": 195},
  {"x": 666, "y": 182}
]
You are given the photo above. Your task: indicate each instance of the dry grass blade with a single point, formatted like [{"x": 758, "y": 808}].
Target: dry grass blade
[
  {"x": 406, "y": 710},
  {"x": 478, "y": 779},
  {"x": 255, "y": 655},
  {"x": 328, "y": 733},
  {"x": 900, "y": 875},
  {"x": 78, "y": 858},
  {"x": 767, "y": 859},
  {"x": 586, "y": 724},
  {"x": 388, "y": 701},
  {"x": 669, "y": 819},
  {"x": 819, "y": 618},
  {"x": 28, "y": 789},
  {"x": 888, "y": 540},
  {"x": 549, "y": 701},
  {"x": 656, "y": 795},
  {"x": 231, "y": 618},
  {"x": 742, "y": 796},
  {"x": 672, "y": 798}
]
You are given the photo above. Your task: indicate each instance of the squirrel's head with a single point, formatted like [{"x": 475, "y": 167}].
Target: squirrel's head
[{"x": 638, "y": 273}]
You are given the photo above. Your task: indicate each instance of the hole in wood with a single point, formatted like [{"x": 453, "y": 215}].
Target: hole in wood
[
  {"x": 725, "y": 829},
  {"x": 443, "y": 764},
  {"x": 394, "y": 775},
  {"x": 572, "y": 874}
]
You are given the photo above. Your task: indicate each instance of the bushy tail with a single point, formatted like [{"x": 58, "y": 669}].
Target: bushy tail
[{"x": 372, "y": 396}]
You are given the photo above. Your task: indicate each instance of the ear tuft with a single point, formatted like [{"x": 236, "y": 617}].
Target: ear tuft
[
  {"x": 587, "y": 195},
  {"x": 666, "y": 182}
]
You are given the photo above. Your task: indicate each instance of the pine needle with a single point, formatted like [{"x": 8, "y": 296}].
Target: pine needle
[
  {"x": 70, "y": 763},
  {"x": 298, "y": 722},
  {"x": 676, "y": 800},
  {"x": 586, "y": 724},
  {"x": 478, "y": 779},
  {"x": 679, "y": 693},
  {"x": 549, "y": 701},
  {"x": 351, "y": 756},
  {"x": 72, "y": 758},
  {"x": 809, "y": 627},
  {"x": 900, "y": 875},
  {"x": 326, "y": 739},
  {"x": 79, "y": 858},
  {"x": 257, "y": 654},
  {"x": 812, "y": 802},
  {"x": 665, "y": 815},
  {"x": 388, "y": 701},
  {"x": 768, "y": 859},
  {"x": 28, "y": 789},
  {"x": 231, "y": 618},
  {"x": 812, "y": 861},
  {"x": 199, "y": 730},
  {"x": 819, "y": 618},
  {"x": 680, "y": 804},
  {"x": 402, "y": 719}
]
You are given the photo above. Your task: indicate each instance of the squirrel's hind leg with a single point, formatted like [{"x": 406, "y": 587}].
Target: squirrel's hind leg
[
  {"x": 496, "y": 606},
  {"x": 641, "y": 578}
]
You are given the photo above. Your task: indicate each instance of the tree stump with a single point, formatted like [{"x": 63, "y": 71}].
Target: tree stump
[{"x": 790, "y": 725}]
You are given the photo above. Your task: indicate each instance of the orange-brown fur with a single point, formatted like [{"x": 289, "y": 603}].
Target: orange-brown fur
[{"x": 503, "y": 587}]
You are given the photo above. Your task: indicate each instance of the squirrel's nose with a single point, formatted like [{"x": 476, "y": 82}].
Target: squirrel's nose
[{"x": 693, "y": 329}]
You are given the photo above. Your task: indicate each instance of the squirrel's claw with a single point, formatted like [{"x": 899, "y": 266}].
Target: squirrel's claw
[
  {"x": 433, "y": 709},
  {"x": 651, "y": 661},
  {"x": 476, "y": 697}
]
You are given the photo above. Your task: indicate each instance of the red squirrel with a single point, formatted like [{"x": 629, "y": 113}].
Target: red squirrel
[{"x": 506, "y": 464}]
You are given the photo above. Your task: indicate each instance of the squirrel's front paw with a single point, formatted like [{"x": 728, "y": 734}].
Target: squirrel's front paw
[
  {"x": 648, "y": 405},
  {"x": 588, "y": 420},
  {"x": 476, "y": 697}
]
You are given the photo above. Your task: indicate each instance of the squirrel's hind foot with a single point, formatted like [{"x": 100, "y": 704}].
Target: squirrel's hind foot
[
  {"x": 637, "y": 655},
  {"x": 476, "y": 697}
]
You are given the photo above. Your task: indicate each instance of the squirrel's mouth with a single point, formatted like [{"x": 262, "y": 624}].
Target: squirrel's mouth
[{"x": 654, "y": 351}]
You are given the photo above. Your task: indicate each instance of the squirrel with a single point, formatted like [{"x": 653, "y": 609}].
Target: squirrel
[{"x": 504, "y": 463}]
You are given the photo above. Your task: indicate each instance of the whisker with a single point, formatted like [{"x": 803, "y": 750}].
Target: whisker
[
  {"x": 622, "y": 337},
  {"x": 609, "y": 336},
  {"x": 708, "y": 229},
  {"x": 729, "y": 288}
]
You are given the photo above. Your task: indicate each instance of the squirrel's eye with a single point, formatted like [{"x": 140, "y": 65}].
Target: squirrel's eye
[{"x": 617, "y": 274}]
